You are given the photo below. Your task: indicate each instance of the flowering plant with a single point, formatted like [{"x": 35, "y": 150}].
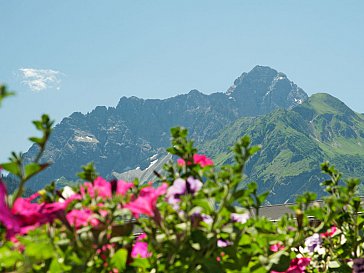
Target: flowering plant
[{"x": 195, "y": 217}]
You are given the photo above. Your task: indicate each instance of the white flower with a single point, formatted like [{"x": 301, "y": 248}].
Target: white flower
[{"x": 66, "y": 193}]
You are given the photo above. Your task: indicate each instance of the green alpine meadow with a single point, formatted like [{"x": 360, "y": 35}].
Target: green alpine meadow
[{"x": 294, "y": 142}]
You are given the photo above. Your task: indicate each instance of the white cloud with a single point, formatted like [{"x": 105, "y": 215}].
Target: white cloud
[{"x": 41, "y": 79}]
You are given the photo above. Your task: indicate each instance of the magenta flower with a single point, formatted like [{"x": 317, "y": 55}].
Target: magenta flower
[
  {"x": 25, "y": 215},
  {"x": 202, "y": 160},
  {"x": 10, "y": 222},
  {"x": 276, "y": 247},
  {"x": 102, "y": 188},
  {"x": 298, "y": 265},
  {"x": 105, "y": 189},
  {"x": 81, "y": 218},
  {"x": 330, "y": 232},
  {"x": 140, "y": 248},
  {"x": 146, "y": 201},
  {"x": 141, "y": 206},
  {"x": 122, "y": 187},
  {"x": 34, "y": 213},
  {"x": 29, "y": 213},
  {"x": 198, "y": 159},
  {"x": 87, "y": 188}
]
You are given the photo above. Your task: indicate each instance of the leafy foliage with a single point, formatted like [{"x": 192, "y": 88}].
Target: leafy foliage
[
  {"x": 4, "y": 92},
  {"x": 196, "y": 218},
  {"x": 16, "y": 165}
]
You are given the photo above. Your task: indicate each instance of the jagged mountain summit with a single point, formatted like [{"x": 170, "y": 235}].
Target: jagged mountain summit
[
  {"x": 264, "y": 89},
  {"x": 122, "y": 138}
]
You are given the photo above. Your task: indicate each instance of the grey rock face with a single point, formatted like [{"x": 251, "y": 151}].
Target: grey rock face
[
  {"x": 264, "y": 89},
  {"x": 121, "y": 138}
]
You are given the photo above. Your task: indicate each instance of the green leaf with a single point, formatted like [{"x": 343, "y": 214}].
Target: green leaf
[
  {"x": 37, "y": 124},
  {"x": 37, "y": 140},
  {"x": 279, "y": 261},
  {"x": 11, "y": 167},
  {"x": 9, "y": 257},
  {"x": 4, "y": 93},
  {"x": 254, "y": 149},
  {"x": 58, "y": 267},
  {"x": 31, "y": 169},
  {"x": 40, "y": 250},
  {"x": 88, "y": 172},
  {"x": 34, "y": 168},
  {"x": 119, "y": 259},
  {"x": 140, "y": 263},
  {"x": 204, "y": 203},
  {"x": 239, "y": 193},
  {"x": 261, "y": 198},
  {"x": 252, "y": 187}
]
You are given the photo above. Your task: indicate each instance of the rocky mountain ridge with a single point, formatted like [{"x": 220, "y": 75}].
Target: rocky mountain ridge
[{"x": 122, "y": 138}]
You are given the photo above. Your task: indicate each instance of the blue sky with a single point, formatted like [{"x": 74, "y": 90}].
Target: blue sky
[{"x": 66, "y": 56}]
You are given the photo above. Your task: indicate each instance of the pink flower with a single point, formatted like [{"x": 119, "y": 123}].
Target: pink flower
[
  {"x": 10, "y": 222},
  {"x": 140, "y": 248},
  {"x": 122, "y": 187},
  {"x": 276, "y": 247},
  {"x": 25, "y": 215},
  {"x": 34, "y": 214},
  {"x": 87, "y": 188},
  {"x": 146, "y": 201},
  {"x": 202, "y": 160},
  {"x": 198, "y": 159},
  {"x": 102, "y": 188},
  {"x": 142, "y": 237},
  {"x": 330, "y": 232},
  {"x": 153, "y": 193},
  {"x": 26, "y": 211},
  {"x": 141, "y": 206},
  {"x": 298, "y": 265},
  {"x": 181, "y": 162},
  {"x": 80, "y": 218},
  {"x": 105, "y": 189}
]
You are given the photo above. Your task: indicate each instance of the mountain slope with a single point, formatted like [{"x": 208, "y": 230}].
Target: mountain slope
[
  {"x": 125, "y": 137},
  {"x": 294, "y": 143}
]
